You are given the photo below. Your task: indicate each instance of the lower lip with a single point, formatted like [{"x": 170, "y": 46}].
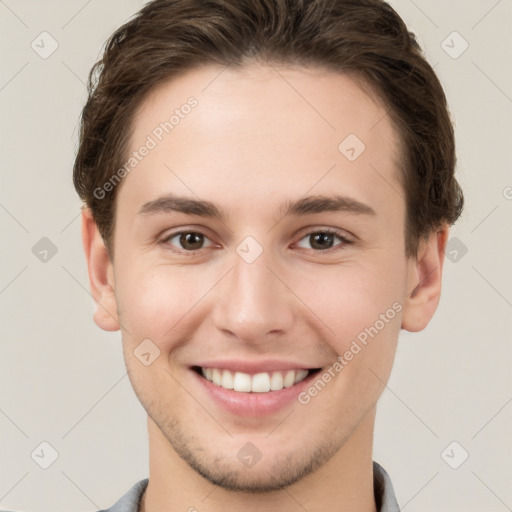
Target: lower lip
[{"x": 254, "y": 404}]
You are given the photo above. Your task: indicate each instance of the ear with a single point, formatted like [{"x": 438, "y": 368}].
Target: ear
[
  {"x": 101, "y": 274},
  {"x": 424, "y": 282}
]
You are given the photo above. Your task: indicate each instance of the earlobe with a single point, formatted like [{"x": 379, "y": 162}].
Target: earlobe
[
  {"x": 424, "y": 282},
  {"x": 101, "y": 277}
]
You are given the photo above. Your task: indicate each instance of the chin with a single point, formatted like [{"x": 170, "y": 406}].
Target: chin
[
  {"x": 256, "y": 480},
  {"x": 263, "y": 473}
]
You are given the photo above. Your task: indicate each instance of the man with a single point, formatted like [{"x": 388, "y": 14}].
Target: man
[{"x": 268, "y": 187}]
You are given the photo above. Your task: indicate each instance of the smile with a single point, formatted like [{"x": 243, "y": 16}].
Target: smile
[{"x": 262, "y": 382}]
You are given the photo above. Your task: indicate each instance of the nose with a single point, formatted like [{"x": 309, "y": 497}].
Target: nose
[{"x": 253, "y": 302}]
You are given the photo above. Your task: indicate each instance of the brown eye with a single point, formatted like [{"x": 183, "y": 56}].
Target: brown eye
[
  {"x": 321, "y": 240},
  {"x": 187, "y": 240},
  {"x": 324, "y": 240}
]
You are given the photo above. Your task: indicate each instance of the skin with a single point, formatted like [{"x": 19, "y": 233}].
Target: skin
[{"x": 252, "y": 142}]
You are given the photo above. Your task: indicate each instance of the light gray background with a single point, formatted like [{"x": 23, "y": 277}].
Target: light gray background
[{"x": 63, "y": 380}]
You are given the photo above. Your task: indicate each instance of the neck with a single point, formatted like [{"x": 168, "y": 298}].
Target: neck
[{"x": 344, "y": 483}]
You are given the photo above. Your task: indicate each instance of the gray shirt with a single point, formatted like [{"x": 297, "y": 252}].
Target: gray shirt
[{"x": 383, "y": 490}]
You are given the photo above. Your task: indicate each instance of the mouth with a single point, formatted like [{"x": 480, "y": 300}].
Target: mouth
[{"x": 261, "y": 382}]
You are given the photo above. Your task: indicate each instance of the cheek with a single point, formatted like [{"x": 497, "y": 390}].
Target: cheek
[
  {"x": 351, "y": 298},
  {"x": 155, "y": 301}
]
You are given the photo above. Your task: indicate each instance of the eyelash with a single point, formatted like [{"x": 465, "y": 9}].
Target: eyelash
[{"x": 345, "y": 241}]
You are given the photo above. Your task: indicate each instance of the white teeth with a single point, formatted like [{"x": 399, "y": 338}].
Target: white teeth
[
  {"x": 241, "y": 382},
  {"x": 259, "y": 383},
  {"x": 216, "y": 376},
  {"x": 276, "y": 382},
  {"x": 289, "y": 379},
  {"x": 300, "y": 375},
  {"x": 207, "y": 373},
  {"x": 227, "y": 380}
]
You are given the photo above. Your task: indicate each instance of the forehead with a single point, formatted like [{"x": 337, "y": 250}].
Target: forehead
[{"x": 265, "y": 131}]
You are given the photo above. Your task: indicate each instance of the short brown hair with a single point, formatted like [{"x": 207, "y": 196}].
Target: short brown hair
[{"x": 364, "y": 38}]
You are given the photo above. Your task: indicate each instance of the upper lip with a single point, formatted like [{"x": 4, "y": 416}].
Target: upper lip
[{"x": 253, "y": 367}]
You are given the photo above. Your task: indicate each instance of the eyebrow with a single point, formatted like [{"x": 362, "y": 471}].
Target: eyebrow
[{"x": 306, "y": 205}]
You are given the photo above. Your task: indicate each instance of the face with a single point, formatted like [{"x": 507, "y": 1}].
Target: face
[{"x": 259, "y": 245}]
